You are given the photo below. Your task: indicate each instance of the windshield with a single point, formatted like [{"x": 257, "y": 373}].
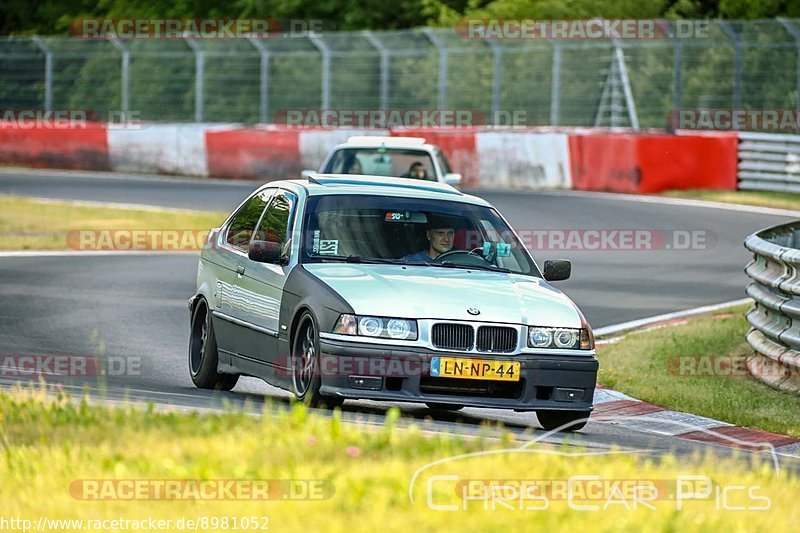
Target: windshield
[
  {"x": 387, "y": 229},
  {"x": 382, "y": 161}
]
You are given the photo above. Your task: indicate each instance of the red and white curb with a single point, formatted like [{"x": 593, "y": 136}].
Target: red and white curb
[
  {"x": 615, "y": 408},
  {"x": 619, "y": 409}
]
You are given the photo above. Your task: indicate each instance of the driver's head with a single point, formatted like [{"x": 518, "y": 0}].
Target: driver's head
[
  {"x": 417, "y": 171},
  {"x": 441, "y": 240},
  {"x": 355, "y": 167}
]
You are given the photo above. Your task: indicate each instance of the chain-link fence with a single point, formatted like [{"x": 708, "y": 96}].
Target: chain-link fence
[{"x": 570, "y": 82}]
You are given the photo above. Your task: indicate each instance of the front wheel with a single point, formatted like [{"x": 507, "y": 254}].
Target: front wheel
[
  {"x": 306, "y": 376},
  {"x": 571, "y": 420},
  {"x": 203, "y": 353}
]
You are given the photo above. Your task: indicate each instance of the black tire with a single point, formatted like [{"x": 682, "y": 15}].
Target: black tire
[
  {"x": 306, "y": 377},
  {"x": 203, "y": 353},
  {"x": 443, "y": 406},
  {"x": 550, "y": 420}
]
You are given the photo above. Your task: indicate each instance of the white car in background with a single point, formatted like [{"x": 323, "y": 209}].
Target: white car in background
[{"x": 388, "y": 156}]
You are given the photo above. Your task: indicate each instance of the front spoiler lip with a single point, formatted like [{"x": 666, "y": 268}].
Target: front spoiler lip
[{"x": 537, "y": 371}]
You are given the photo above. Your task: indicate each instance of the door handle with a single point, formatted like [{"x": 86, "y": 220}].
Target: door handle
[{"x": 240, "y": 270}]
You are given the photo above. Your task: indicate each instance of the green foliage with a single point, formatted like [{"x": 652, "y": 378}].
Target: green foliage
[{"x": 54, "y": 16}]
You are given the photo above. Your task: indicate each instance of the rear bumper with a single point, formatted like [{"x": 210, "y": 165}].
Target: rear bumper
[{"x": 546, "y": 382}]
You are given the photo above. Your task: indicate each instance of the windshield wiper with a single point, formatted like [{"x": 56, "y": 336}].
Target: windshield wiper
[
  {"x": 490, "y": 268},
  {"x": 358, "y": 259}
]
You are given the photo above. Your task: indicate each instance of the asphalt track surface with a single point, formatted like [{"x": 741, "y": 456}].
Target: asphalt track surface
[{"x": 133, "y": 309}]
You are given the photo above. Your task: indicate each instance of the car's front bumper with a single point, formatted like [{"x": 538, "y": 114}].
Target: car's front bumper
[{"x": 403, "y": 374}]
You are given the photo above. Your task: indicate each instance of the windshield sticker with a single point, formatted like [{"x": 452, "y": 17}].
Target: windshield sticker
[
  {"x": 329, "y": 247},
  {"x": 315, "y": 245}
]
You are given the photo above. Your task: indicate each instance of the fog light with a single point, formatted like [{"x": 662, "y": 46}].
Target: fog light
[
  {"x": 568, "y": 395},
  {"x": 365, "y": 382}
]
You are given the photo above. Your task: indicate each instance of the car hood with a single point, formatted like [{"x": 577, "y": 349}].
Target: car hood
[{"x": 423, "y": 292}]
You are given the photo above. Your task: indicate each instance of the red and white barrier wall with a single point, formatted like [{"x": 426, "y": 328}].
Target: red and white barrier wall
[{"x": 494, "y": 158}]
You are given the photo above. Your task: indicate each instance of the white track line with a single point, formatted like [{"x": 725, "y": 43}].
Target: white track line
[
  {"x": 633, "y": 324},
  {"x": 117, "y": 205},
  {"x": 660, "y": 200},
  {"x": 117, "y": 176}
]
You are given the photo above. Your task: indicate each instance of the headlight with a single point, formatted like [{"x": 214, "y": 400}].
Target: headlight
[
  {"x": 564, "y": 338},
  {"x": 539, "y": 337},
  {"x": 371, "y": 326}
]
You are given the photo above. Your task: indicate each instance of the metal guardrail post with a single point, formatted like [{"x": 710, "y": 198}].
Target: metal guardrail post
[
  {"x": 383, "y": 52},
  {"x": 48, "y": 72},
  {"x": 325, "y": 52},
  {"x": 677, "y": 88},
  {"x": 555, "y": 87},
  {"x": 497, "y": 74},
  {"x": 443, "y": 58},
  {"x": 795, "y": 33},
  {"x": 199, "y": 78},
  {"x": 263, "y": 92},
  {"x": 737, "y": 62},
  {"x": 124, "y": 78}
]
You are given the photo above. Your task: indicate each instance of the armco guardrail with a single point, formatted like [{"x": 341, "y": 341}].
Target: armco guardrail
[
  {"x": 769, "y": 162},
  {"x": 775, "y": 317}
]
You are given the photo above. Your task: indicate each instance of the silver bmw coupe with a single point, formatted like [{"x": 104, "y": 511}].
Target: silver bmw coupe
[{"x": 365, "y": 287}]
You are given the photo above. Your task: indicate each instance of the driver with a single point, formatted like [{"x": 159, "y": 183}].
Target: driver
[{"x": 440, "y": 240}]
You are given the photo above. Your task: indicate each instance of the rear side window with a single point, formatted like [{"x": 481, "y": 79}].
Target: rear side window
[
  {"x": 244, "y": 221},
  {"x": 275, "y": 225}
]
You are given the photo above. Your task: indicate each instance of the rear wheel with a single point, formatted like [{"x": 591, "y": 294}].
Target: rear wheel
[
  {"x": 306, "y": 376},
  {"x": 572, "y": 420},
  {"x": 203, "y": 353},
  {"x": 443, "y": 406}
]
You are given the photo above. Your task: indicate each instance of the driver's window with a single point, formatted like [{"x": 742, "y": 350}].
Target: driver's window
[
  {"x": 275, "y": 225},
  {"x": 240, "y": 230}
]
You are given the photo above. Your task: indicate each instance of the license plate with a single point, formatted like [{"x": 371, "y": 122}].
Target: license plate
[{"x": 454, "y": 367}]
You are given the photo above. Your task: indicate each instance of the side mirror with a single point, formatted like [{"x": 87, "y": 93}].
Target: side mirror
[
  {"x": 453, "y": 179},
  {"x": 307, "y": 173},
  {"x": 264, "y": 252},
  {"x": 557, "y": 270}
]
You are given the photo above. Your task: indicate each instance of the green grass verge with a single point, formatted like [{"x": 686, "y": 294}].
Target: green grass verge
[
  {"x": 779, "y": 200},
  {"x": 49, "y": 445},
  {"x": 646, "y": 365},
  {"x": 27, "y": 224}
]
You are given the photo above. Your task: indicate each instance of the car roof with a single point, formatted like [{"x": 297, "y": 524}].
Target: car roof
[
  {"x": 325, "y": 184},
  {"x": 376, "y": 141}
]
